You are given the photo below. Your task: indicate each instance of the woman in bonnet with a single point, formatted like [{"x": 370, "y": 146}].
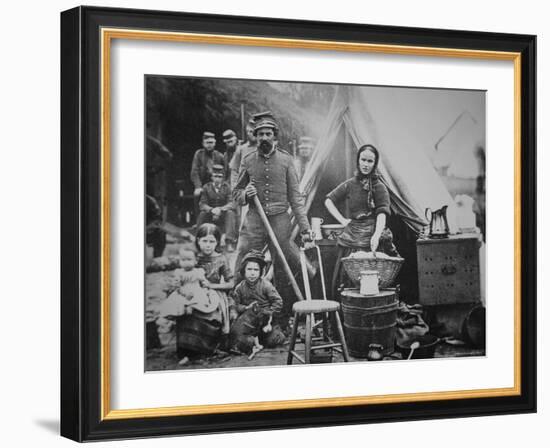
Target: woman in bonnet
[{"x": 368, "y": 202}]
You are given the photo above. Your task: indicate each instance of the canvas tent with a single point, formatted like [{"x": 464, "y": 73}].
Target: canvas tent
[
  {"x": 454, "y": 148},
  {"x": 406, "y": 168},
  {"x": 407, "y": 171}
]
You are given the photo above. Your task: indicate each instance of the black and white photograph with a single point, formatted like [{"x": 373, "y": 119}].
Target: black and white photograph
[
  {"x": 274, "y": 224},
  {"x": 297, "y": 223}
]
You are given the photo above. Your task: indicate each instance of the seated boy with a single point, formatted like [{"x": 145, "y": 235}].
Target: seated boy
[
  {"x": 256, "y": 300},
  {"x": 216, "y": 206}
]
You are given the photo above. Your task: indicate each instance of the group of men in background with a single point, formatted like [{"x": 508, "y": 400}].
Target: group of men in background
[{"x": 215, "y": 174}]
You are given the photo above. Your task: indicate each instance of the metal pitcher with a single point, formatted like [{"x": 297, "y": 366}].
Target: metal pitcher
[
  {"x": 439, "y": 226},
  {"x": 316, "y": 227}
]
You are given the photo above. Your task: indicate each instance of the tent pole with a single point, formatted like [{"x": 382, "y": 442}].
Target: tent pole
[
  {"x": 348, "y": 162},
  {"x": 243, "y": 125}
]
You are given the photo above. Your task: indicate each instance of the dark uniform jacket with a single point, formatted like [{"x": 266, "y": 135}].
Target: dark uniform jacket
[
  {"x": 201, "y": 169},
  {"x": 277, "y": 184},
  {"x": 211, "y": 198},
  {"x": 227, "y": 158}
]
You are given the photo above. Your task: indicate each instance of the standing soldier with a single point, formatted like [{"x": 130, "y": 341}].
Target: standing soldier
[
  {"x": 230, "y": 141},
  {"x": 201, "y": 168},
  {"x": 269, "y": 173},
  {"x": 242, "y": 151},
  {"x": 305, "y": 151}
]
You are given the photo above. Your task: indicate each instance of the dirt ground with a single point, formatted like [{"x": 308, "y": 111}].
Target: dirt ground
[{"x": 166, "y": 358}]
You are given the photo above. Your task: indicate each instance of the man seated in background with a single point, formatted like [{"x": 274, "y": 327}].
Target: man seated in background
[
  {"x": 216, "y": 206},
  {"x": 201, "y": 168}
]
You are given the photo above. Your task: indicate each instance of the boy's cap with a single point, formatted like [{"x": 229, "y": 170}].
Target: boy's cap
[
  {"x": 218, "y": 169},
  {"x": 208, "y": 134},
  {"x": 253, "y": 255},
  {"x": 306, "y": 142}
]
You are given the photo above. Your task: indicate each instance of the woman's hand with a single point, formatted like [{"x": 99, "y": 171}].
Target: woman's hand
[
  {"x": 336, "y": 213},
  {"x": 378, "y": 229},
  {"x": 374, "y": 241}
]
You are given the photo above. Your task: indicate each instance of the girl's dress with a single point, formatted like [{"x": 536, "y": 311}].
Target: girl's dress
[
  {"x": 366, "y": 198},
  {"x": 188, "y": 294},
  {"x": 200, "y": 332},
  {"x": 216, "y": 268}
]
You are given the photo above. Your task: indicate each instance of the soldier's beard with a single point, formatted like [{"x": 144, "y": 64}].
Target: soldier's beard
[{"x": 265, "y": 147}]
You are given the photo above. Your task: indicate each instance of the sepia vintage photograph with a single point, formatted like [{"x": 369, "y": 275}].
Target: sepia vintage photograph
[{"x": 309, "y": 223}]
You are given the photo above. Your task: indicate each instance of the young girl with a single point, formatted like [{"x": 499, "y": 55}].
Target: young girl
[
  {"x": 216, "y": 268},
  {"x": 206, "y": 317}
]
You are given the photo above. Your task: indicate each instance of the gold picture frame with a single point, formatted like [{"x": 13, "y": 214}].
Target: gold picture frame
[{"x": 89, "y": 47}]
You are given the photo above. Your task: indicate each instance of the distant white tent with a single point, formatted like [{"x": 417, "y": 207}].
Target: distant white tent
[
  {"x": 413, "y": 182},
  {"x": 456, "y": 148}
]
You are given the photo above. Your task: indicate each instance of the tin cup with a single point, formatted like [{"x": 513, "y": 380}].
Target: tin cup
[{"x": 369, "y": 283}]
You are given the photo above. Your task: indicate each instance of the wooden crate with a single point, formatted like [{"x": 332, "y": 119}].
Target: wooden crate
[{"x": 448, "y": 270}]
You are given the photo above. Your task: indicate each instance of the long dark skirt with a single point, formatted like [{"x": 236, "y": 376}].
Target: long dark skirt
[{"x": 356, "y": 236}]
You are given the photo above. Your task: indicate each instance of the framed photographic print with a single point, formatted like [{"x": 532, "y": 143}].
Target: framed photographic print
[{"x": 275, "y": 224}]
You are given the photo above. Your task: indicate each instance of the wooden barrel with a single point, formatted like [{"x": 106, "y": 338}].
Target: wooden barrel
[
  {"x": 369, "y": 320},
  {"x": 196, "y": 335}
]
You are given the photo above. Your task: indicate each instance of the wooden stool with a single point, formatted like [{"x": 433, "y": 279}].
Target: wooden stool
[{"x": 311, "y": 307}]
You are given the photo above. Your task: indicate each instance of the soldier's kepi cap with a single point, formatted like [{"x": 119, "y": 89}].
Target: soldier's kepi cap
[
  {"x": 306, "y": 142},
  {"x": 227, "y": 134},
  {"x": 265, "y": 120},
  {"x": 253, "y": 255},
  {"x": 218, "y": 169},
  {"x": 208, "y": 134}
]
